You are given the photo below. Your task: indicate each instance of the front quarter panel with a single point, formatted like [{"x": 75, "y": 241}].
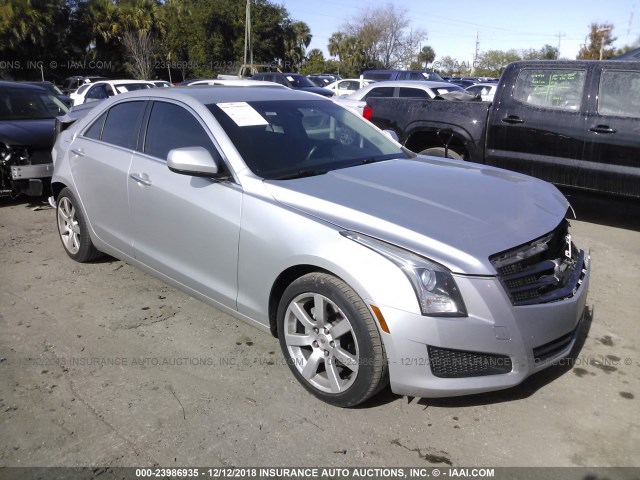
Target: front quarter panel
[{"x": 275, "y": 238}]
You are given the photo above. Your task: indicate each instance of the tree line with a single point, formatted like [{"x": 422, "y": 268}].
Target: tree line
[{"x": 177, "y": 39}]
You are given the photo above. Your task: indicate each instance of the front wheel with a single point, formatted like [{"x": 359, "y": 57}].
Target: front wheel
[
  {"x": 330, "y": 340},
  {"x": 73, "y": 229},
  {"x": 440, "y": 152}
]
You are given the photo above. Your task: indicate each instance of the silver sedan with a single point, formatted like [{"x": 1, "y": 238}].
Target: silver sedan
[{"x": 372, "y": 265}]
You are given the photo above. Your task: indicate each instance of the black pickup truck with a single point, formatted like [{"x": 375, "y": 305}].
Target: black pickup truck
[{"x": 573, "y": 123}]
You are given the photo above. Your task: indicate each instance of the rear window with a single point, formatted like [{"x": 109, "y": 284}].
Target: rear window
[
  {"x": 619, "y": 94},
  {"x": 548, "y": 88}
]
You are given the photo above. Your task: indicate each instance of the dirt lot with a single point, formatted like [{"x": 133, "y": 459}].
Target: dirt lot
[{"x": 104, "y": 365}]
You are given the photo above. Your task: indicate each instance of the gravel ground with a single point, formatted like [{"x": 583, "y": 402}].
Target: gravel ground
[{"x": 102, "y": 365}]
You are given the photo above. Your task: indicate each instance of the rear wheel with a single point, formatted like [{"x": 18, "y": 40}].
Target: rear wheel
[
  {"x": 439, "y": 152},
  {"x": 73, "y": 229},
  {"x": 330, "y": 340}
]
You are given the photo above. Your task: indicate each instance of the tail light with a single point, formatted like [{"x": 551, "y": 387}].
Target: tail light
[{"x": 367, "y": 112}]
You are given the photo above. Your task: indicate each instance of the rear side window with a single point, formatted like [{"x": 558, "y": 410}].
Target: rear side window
[
  {"x": 558, "y": 89},
  {"x": 406, "y": 92},
  {"x": 171, "y": 126},
  {"x": 380, "y": 92},
  {"x": 95, "y": 130},
  {"x": 619, "y": 94},
  {"x": 121, "y": 126}
]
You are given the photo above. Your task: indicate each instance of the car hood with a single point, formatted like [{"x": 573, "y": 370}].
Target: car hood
[
  {"x": 32, "y": 133},
  {"x": 454, "y": 213}
]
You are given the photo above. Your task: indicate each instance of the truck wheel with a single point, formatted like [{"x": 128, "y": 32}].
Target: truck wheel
[
  {"x": 330, "y": 340},
  {"x": 439, "y": 152},
  {"x": 73, "y": 230}
]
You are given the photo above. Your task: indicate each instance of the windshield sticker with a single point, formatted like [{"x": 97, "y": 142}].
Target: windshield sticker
[
  {"x": 243, "y": 114},
  {"x": 291, "y": 79},
  {"x": 442, "y": 91},
  {"x": 121, "y": 89}
]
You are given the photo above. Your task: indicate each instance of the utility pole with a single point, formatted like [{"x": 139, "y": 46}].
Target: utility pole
[
  {"x": 248, "y": 46},
  {"x": 560, "y": 35},
  {"x": 602, "y": 31},
  {"x": 633, "y": 7},
  {"x": 475, "y": 55}
]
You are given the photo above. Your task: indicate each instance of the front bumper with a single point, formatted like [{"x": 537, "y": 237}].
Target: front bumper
[
  {"x": 530, "y": 338},
  {"x": 25, "y": 172}
]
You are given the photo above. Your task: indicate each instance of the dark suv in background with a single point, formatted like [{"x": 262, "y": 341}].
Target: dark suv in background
[{"x": 294, "y": 81}]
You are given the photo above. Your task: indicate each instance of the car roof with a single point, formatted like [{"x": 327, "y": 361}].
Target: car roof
[
  {"x": 122, "y": 82},
  {"x": 234, "y": 82},
  {"x": 23, "y": 86},
  {"x": 206, "y": 94},
  {"x": 410, "y": 83}
]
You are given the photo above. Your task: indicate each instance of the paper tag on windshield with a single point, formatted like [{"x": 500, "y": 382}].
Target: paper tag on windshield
[{"x": 243, "y": 114}]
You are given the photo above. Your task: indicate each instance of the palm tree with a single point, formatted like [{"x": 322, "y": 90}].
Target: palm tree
[
  {"x": 297, "y": 39},
  {"x": 336, "y": 44},
  {"x": 24, "y": 22}
]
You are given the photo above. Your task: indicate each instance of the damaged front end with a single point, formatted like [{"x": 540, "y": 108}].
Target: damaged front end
[
  {"x": 23, "y": 171},
  {"x": 545, "y": 270}
]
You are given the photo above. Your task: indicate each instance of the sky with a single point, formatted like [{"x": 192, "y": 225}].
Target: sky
[{"x": 452, "y": 25}]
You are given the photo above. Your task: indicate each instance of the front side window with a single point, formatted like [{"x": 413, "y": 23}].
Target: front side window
[
  {"x": 121, "y": 125},
  {"x": 171, "y": 126},
  {"x": 619, "y": 94},
  {"x": 293, "y": 138},
  {"x": 548, "y": 88},
  {"x": 380, "y": 92}
]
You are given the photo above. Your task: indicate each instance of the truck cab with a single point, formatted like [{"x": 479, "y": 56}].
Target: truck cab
[{"x": 573, "y": 123}]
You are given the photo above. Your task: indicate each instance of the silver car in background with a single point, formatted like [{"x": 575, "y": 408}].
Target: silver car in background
[
  {"x": 396, "y": 89},
  {"x": 369, "y": 263}
]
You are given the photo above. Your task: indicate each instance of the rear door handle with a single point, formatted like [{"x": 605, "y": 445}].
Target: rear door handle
[
  {"x": 141, "y": 178},
  {"x": 78, "y": 151},
  {"x": 602, "y": 129},
  {"x": 512, "y": 119}
]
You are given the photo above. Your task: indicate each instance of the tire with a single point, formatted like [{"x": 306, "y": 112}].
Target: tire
[
  {"x": 338, "y": 357},
  {"x": 73, "y": 229},
  {"x": 439, "y": 152}
]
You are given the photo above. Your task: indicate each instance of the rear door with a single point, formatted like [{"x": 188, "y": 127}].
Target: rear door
[
  {"x": 100, "y": 158},
  {"x": 613, "y": 132},
  {"x": 537, "y": 126}
]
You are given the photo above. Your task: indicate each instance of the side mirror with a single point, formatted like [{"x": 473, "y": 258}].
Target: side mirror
[
  {"x": 195, "y": 161},
  {"x": 392, "y": 135}
]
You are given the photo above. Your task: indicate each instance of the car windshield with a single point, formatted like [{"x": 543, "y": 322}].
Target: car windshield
[
  {"x": 27, "y": 104},
  {"x": 130, "y": 87},
  {"x": 300, "y": 81},
  {"x": 432, "y": 76},
  {"x": 298, "y": 138}
]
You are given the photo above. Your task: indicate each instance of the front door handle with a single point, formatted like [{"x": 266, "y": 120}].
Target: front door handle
[
  {"x": 141, "y": 178},
  {"x": 78, "y": 151},
  {"x": 512, "y": 119},
  {"x": 602, "y": 129}
]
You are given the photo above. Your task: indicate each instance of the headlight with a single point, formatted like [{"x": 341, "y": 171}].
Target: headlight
[
  {"x": 13, "y": 155},
  {"x": 437, "y": 292}
]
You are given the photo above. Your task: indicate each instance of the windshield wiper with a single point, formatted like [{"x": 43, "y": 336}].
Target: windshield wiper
[
  {"x": 302, "y": 174},
  {"x": 379, "y": 158}
]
